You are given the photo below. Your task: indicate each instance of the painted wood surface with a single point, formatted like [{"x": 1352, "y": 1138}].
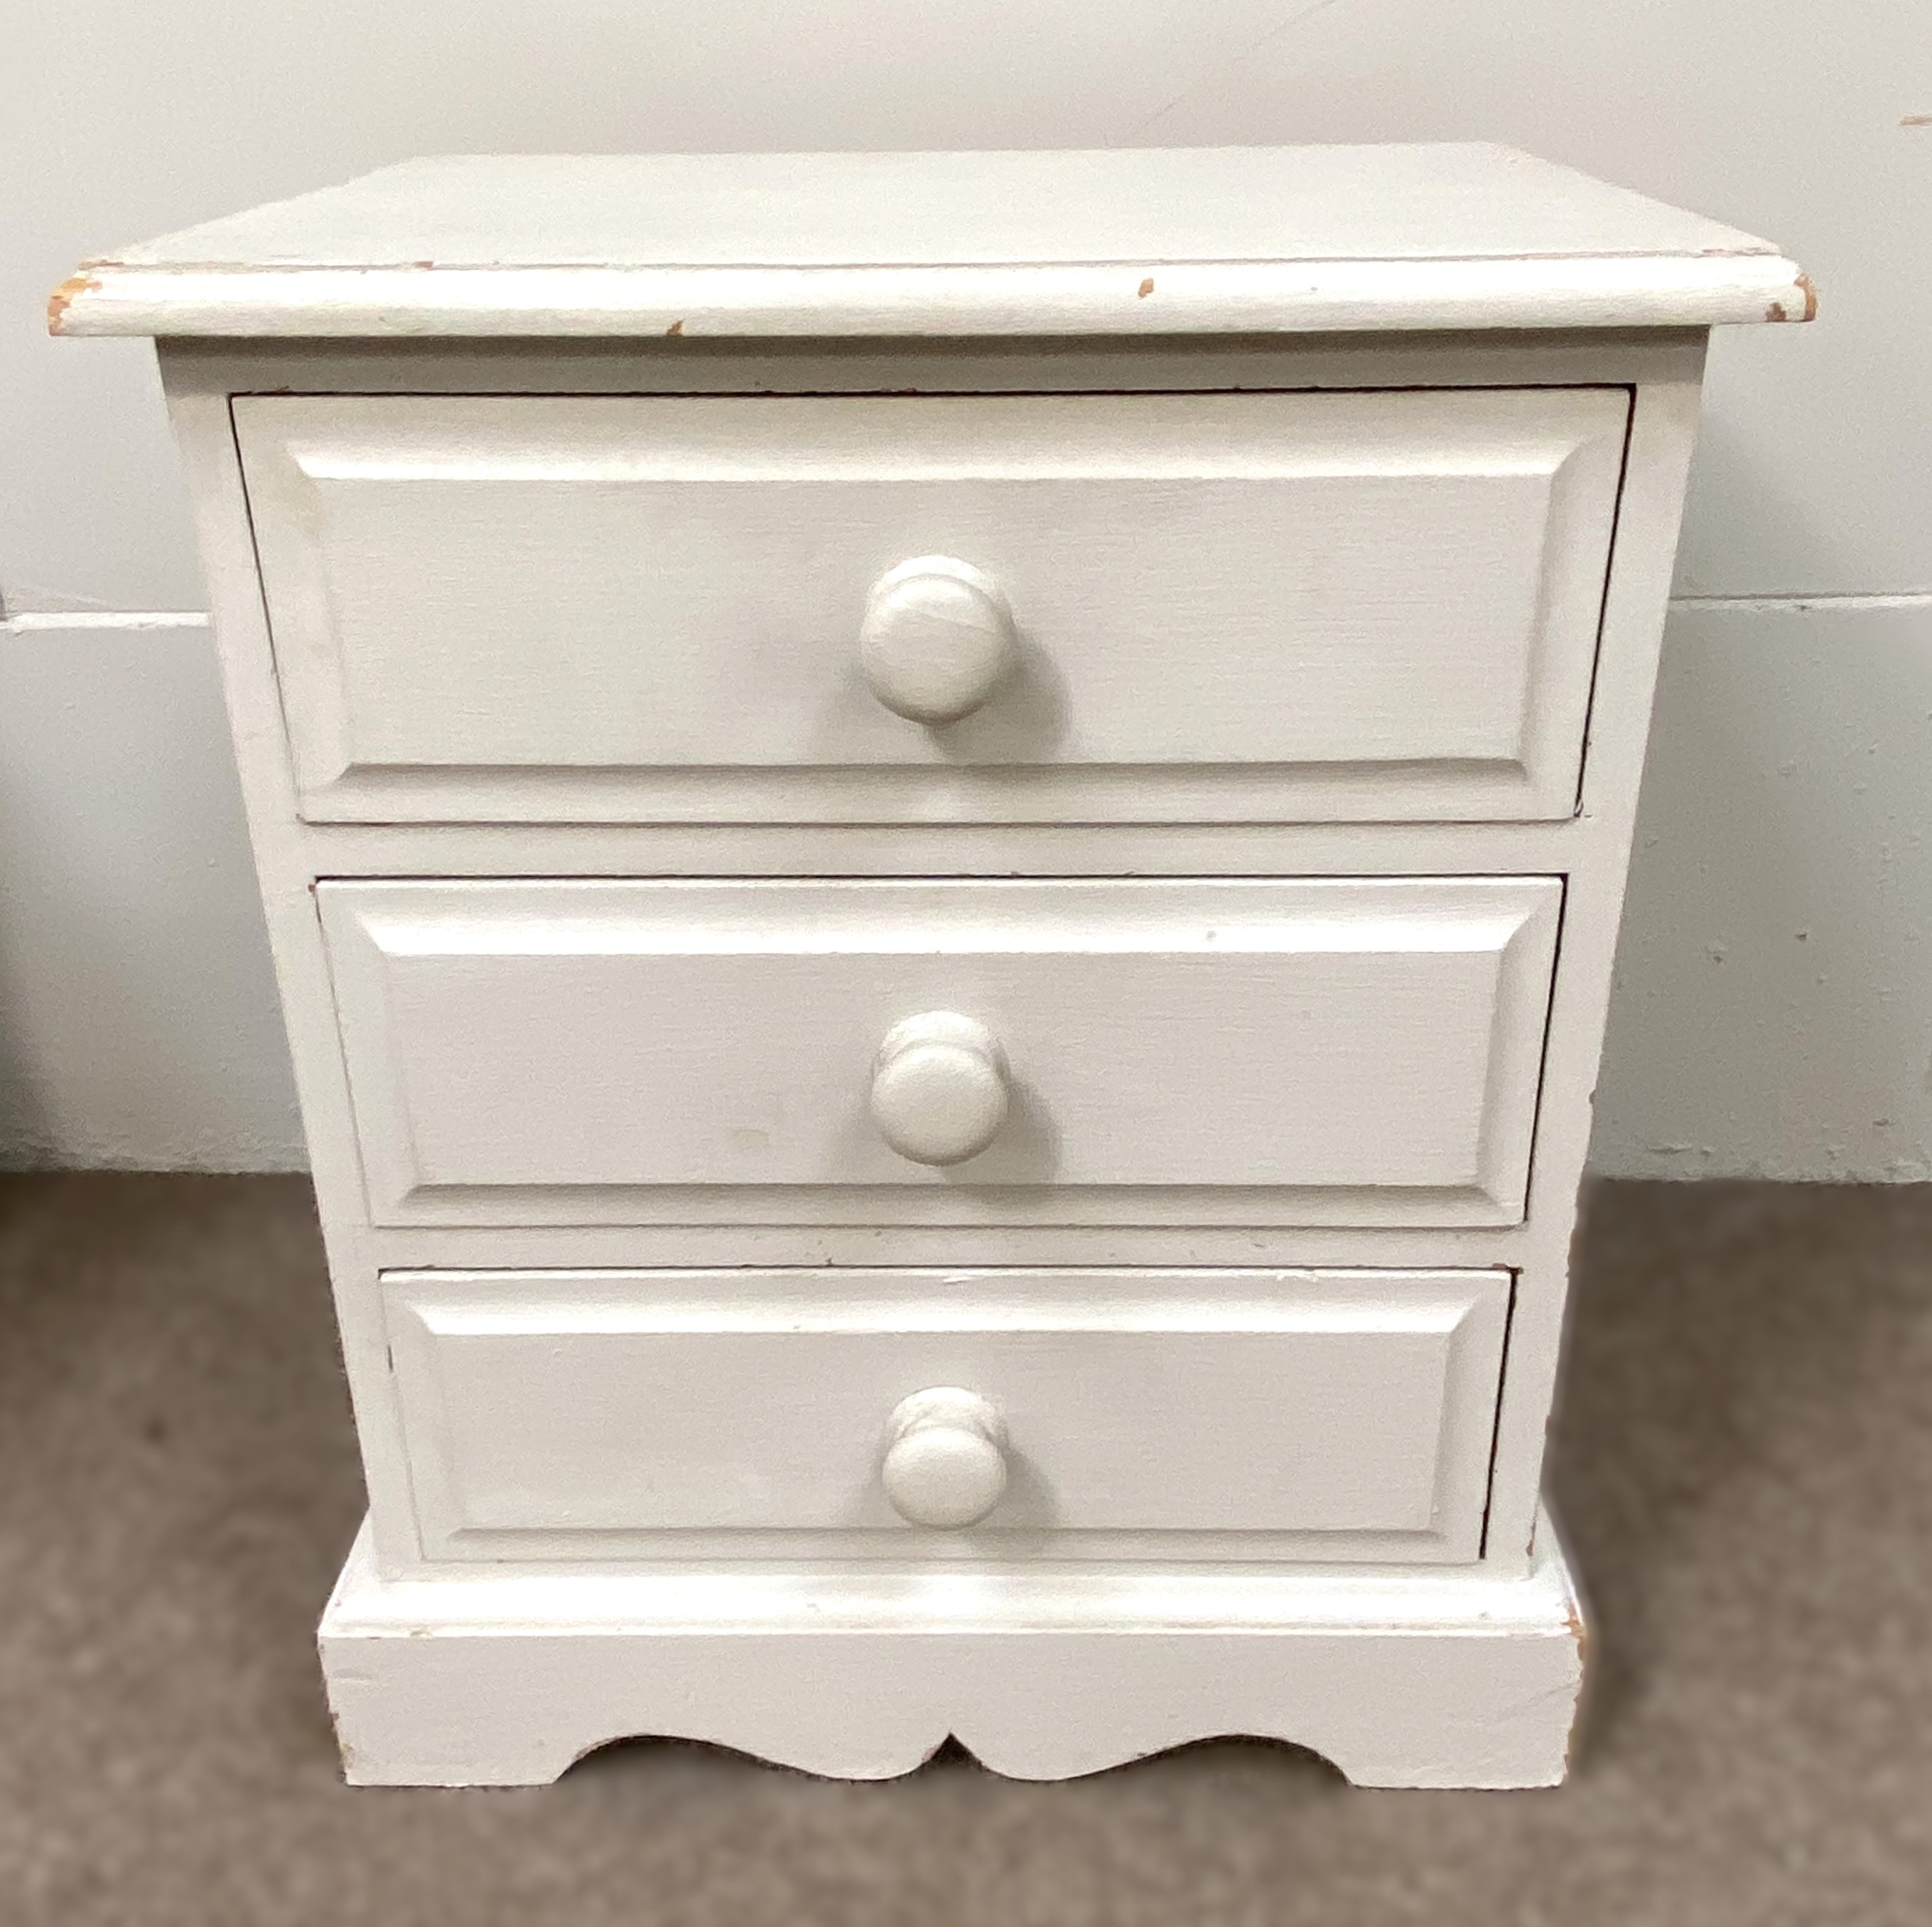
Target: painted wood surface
[
  {"x": 1335, "y": 1056},
  {"x": 1227, "y": 606},
  {"x": 467, "y": 1723},
  {"x": 1248, "y": 1051},
  {"x": 1429, "y": 1677},
  {"x": 948, "y": 1460},
  {"x": 1230, "y": 1414},
  {"x": 1124, "y": 241}
]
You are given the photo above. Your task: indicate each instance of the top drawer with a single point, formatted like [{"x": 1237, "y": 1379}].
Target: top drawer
[{"x": 1209, "y": 607}]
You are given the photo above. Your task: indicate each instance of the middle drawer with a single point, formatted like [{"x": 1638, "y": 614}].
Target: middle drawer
[{"x": 1344, "y": 1052}]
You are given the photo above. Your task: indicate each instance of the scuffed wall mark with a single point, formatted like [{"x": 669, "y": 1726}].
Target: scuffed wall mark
[
  {"x": 1917, "y": 120},
  {"x": 65, "y": 296},
  {"x": 1220, "y": 71}
]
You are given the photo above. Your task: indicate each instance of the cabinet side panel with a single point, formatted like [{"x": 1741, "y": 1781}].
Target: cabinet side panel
[
  {"x": 1663, "y": 432},
  {"x": 199, "y": 411}
]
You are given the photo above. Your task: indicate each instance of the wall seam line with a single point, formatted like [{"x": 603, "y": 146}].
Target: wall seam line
[
  {"x": 33, "y": 622},
  {"x": 54, "y": 622},
  {"x": 1849, "y": 601}
]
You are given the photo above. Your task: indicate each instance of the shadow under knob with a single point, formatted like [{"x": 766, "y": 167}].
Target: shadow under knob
[
  {"x": 946, "y": 1458},
  {"x": 936, "y": 639},
  {"x": 939, "y": 1087}
]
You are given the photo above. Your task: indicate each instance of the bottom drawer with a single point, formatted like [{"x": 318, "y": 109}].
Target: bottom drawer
[{"x": 985, "y": 1414}]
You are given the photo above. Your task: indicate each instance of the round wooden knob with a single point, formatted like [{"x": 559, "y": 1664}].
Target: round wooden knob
[
  {"x": 937, "y": 638},
  {"x": 946, "y": 1458},
  {"x": 939, "y": 1087}
]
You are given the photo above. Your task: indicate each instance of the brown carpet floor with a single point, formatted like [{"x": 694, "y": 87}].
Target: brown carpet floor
[{"x": 1745, "y": 1464}]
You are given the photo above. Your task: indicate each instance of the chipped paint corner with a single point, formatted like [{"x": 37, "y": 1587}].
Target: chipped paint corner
[
  {"x": 65, "y": 296},
  {"x": 1579, "y": 1631},
  {"x": 1781, "y": 310}
]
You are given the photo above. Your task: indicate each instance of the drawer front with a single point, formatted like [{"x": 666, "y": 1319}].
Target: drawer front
[
  {"x": 1285, "y": 607},
  {"x": 1330, "y": 1052},
  {"x": 751, "y": 1414}
]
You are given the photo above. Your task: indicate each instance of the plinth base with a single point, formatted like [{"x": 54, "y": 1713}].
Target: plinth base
[{"x": 1443, "y": 1677}]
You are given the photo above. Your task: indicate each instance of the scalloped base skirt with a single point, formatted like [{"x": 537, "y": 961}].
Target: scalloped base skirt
[{"x": 1450, "y": 1677}]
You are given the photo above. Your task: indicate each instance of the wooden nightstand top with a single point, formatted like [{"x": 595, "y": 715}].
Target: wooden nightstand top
[{"x": 1126, "y": 242}]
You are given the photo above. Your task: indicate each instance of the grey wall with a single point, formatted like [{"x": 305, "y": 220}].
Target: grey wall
[{"x": 1773, "y": 1010}]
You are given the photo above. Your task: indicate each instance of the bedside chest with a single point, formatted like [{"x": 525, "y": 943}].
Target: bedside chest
[{"x": 943, "y": 834}]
